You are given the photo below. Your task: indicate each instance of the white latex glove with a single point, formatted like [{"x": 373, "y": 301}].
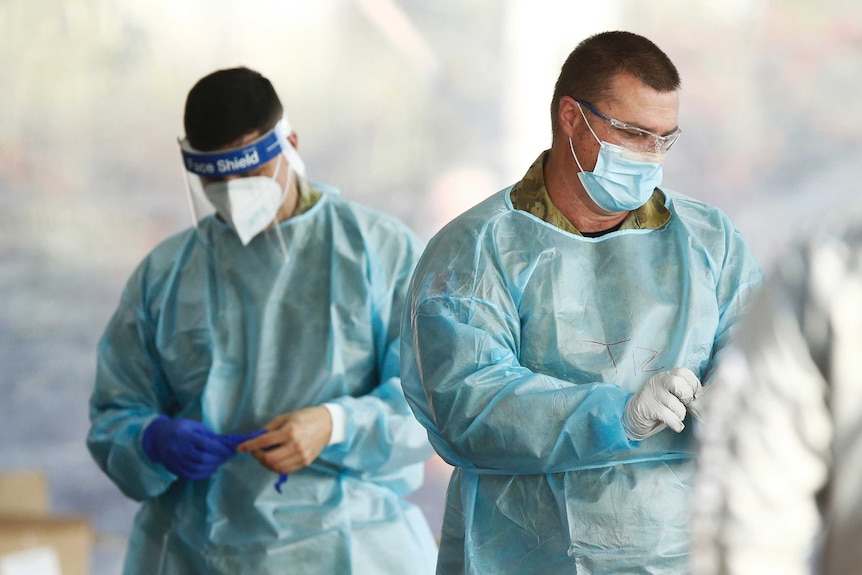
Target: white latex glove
[{"x": 660, "y": 403}]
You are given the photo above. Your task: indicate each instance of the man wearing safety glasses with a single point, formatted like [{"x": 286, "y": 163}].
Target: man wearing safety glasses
[
  {"x": 248, "y": 389},
  {"x": 559, "y": 335}
]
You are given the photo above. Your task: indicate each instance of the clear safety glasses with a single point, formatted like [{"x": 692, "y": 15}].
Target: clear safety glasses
[{"x": 634, "y": 138}]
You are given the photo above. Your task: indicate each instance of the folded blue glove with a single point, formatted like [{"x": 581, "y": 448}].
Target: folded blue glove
[
  {"x": 185, "y": 447},
  {"x": 282, "y": 478},
  {"x": 234, "y": 440}
]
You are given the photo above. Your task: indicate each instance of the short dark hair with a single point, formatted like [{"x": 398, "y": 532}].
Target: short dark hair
[
  {"x": 228, "y": 104},
  {"x": 593, "y": 64}
]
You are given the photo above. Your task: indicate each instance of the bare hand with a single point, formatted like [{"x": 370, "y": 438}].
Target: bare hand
[{"x": 292, "y": 441}]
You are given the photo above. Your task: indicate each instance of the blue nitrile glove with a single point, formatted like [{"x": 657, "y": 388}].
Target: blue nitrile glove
[
  {"x": 232, "y": 440},
  {"x": 185, "y": 447}
]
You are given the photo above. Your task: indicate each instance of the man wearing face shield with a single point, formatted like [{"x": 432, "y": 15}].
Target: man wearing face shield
[
  {"x": 248, "y": 387},
  {"x": 558, "y": 336}
]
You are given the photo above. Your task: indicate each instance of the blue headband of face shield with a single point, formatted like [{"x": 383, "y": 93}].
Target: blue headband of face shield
[{"x": 238, "y": 160}]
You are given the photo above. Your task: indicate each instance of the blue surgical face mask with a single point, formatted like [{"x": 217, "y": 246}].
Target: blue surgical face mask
[{"x": 622, "y": 180}]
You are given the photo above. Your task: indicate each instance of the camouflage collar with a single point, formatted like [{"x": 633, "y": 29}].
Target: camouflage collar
[{"x": 530, "y": 195}]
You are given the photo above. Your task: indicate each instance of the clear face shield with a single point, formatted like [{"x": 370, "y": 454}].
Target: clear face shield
[{"x": 245, "y": 186}]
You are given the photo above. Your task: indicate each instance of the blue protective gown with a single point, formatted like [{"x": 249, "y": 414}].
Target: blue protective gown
[
  {"x": 521, "y": 345},
  {"x": 232, "y": 336}
]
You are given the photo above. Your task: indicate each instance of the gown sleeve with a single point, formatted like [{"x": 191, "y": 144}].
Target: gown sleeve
[
  {"x": 739, "y": 280},
  {"x": 130, "y": 391},
  {"x": 463, "y": 379},
  {"x": 381, "y": 434}
]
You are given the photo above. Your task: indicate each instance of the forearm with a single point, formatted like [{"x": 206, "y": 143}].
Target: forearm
[
  {"x": 519, "y": 422},
  {"x": 127, "y": 396}
]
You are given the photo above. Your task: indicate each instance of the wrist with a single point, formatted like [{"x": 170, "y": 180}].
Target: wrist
[{"x": 628, "y": 425}]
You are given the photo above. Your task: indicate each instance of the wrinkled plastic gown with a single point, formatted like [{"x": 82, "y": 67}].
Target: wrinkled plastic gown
[
  {"x": 522, "y": 344},
  {"x": 232, "y": 336}
]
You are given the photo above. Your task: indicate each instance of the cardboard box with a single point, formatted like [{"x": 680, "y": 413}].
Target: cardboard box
[
  {"x": 24, "y": 493},
  {"x": 46, "y": 541},
  {"x": 32, "y": 540}
]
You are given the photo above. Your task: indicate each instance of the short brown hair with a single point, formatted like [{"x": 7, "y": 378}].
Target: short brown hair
[{"x": 589, "y": 69}]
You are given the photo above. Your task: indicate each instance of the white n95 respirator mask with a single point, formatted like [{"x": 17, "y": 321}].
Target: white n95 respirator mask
[{"x": 249, "y": 205}]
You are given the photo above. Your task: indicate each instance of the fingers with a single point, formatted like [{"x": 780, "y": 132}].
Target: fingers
[
  {"x": 203, "y": 455},
  {"x": 211, "y": 446},
  {"x": 673, "y": 404},
  {"x": 292, "y": 440},
  {"x": 661, "y": 405},
  {"x": 268, "y": 440},
  {"x": 193, "y": 451},
  {"x": 282, "y": 460},
  {"x": 286, "y": 457},
  {"x": 272, "y": 435},
  {"x": 666, "y": 409},
  {"x": 200, "y": 460},
  {"x": 682, "y": 382},
  {"x": 661, "y": 402},
  {"x": 191, "y": 469},
  {"x": 195, "y": 472},
  {"x": 670, "y": 415},
  {"x": 234, "y": 440}
]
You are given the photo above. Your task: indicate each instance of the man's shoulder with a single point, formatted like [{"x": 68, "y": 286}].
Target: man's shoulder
[
  {"x": 166, "y": 250},
  {"x": 164, "y": 256},
  {"x": 688, "y": 208},
  {"x": 477, "y": 231},
  {"x": 708, "y": 227},
  {"x": 478, "y": 219},
  {"x": 376, "y": 237},
  {"x": 154, "y": 269},
  {"x": 681, "y": 200},
  {"x": 372, "y": 224}
]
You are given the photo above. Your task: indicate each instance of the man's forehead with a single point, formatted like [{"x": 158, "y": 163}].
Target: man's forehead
[
  {"x": 633, "y": 102},
  {"x": 625, "y": 87}
]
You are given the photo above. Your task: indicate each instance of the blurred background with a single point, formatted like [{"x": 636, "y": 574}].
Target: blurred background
[{"x": 420, "y": 109}]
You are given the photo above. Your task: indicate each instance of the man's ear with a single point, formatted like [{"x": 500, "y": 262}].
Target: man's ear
[
  {"x": 568, "y": 116},
  {"x": 294, "y": 140}
]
